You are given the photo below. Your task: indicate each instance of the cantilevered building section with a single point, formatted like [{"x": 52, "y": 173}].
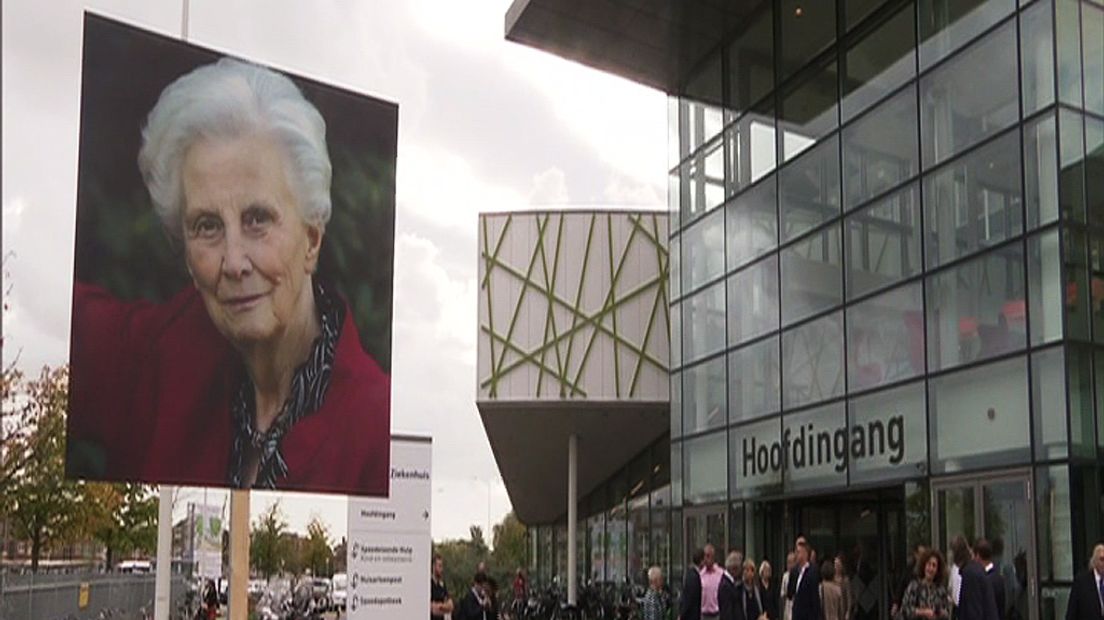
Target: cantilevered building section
[{"x": 573, "y": 350}]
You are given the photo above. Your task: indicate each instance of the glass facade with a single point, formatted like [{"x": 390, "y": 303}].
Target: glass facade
[
  {"x": 906, "y": 286},
  {"x": 887, "y": 294}
]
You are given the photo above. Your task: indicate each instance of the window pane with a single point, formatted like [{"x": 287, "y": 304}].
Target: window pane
[
  {"x": 1068, "y": 35},
  {"x": 974, "y": 203},
  {"x": 1077, "y": 289},
  {"x": 979, "y": 417},
  {"x": 880, "y": 62},
  {"x": 751, "y": 149},
  {"x": 703, "y": 390},
  {"x": 810, "y": 188},
  {"x": 676, "y": 335},
  {"x": 899, "y": 418},
  {"x": 1071, "y": 162},
  {"x": 699, "y": 123},
  {"x": 1080, "y": 386},
  {"x": 703, "y": 249},
  {"x": 751, "y": 61},
  {"x": 972, "y": 96},
  {"x": 1096, "y": 285},
  {"x": 757, "y": 458},
  {"x": 702, "y": 181},
  {"x": 674, "y": 195},
  {"x": 752, "y": 227},
  {"x": 945, "y": 25},
  {"x": 812, "y": 362},
  {"x": 676, "y": 405},
  {"x": 813, "y": 462},
  {"x": 754, "y": 308},
  {"x": 881, "y": 150},
  {"x": 809, "y": 110},
  {"x": 1092, "y": 49},
  {"x": 703, "y": 322},
  {"x": 976, "y": 310},
  {"x": 706, "y": 468},
  {"x": 883, "y": 242},
  {"x": 1037, "y": 56},
  {"x": 1041, "y": 170},
  {"x": 856, "y": 10},
  {"x": 808, "y": 28},
  {"x": 676, "y": 473},
  {"x": 1056, "y": 558},
  {"x": 674, "y": 267},
  {"x": 754, "y": 389},
  {"x": 885, "y": 338},
  {"x": 1048, "y": 403},
  {"x": 811, "y": 278},
  {"x": 1044, "y": 276},
  {"x": 1094, "y": 169}
]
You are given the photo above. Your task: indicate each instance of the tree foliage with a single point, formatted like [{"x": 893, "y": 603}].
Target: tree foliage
[
  {"x": 317, "y": 554},
  {"x": 123, "y": 518},
  {"x": 268, "y": 542},
  {"x": 44, "y": 507},
  {"x": 462, "y": 557}
]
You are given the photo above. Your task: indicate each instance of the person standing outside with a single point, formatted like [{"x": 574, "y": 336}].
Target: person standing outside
[
  {"x": 804, "y": 585},
  {"x": 440, "y": 603},
  {"x": 655, "y": 604},
  {"x": 769, "y": 587},
  {"x": 691, "y": 601},
  {"x": 975, "y": 596},
  {"x": 475, "y": 605},
  {"x": 1086, "y": 599},
  {"x": 711, "y": 575},
  {"x": 984, "y": 554},
  {"x": 785, "y": 602},
  {"x": 833, "y": 599},
  {"x": 728, "y": 592},
  {"x": 521, "y": 591},
  {"x": 926, "y": 597}
]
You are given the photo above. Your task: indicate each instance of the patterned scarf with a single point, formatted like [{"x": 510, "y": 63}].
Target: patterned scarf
[{"x": 308, "y": 389}]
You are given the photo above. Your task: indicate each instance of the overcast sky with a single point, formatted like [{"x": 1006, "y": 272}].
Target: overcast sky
[{"x": 484, "y": 125}]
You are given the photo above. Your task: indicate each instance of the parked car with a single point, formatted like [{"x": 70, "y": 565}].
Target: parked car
[{"x": 340, "y": 585}]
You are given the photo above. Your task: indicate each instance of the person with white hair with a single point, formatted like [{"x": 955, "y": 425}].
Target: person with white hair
[
  {"x": 654, "y": 606},
  {"x": 253, "y": 376}
]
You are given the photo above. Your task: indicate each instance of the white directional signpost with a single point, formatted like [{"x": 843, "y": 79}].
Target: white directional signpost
[{"x": 389, "y": 540}]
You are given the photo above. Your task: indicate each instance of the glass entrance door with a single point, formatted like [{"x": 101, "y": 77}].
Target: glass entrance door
[
  {"x": 997, "y": 508},
  {"x": 705, "y": 525}
]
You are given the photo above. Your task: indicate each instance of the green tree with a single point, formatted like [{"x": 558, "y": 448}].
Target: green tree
[
  {"x": 509, "y": 548},
  {"x": 268, "y": 544},
  {"x": 122, "y": 517},
  {"x": 45, "y": 508},
  {"x": 316, "y": 552}
]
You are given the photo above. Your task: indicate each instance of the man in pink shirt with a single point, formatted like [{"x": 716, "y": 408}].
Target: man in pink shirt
[{"x": 711, "y": 581}]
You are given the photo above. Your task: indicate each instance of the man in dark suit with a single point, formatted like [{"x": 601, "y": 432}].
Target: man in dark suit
[
  {"x": 984, "y": 554},
  {"x": 690, "y": 602},
  {"x": 1086, "y": 599},
  {"x": 975, "y": 596},
  {"x": 475, "y": 605},
  {"x": 728, "y": 593},
  {"x": 804, "y": 586}
]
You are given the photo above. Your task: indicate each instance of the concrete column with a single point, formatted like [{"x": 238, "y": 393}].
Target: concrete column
[
  {"x": 572, "y": 505},
  {"x": 239, "y": 554},
  {"x": 162, "y": 589}
]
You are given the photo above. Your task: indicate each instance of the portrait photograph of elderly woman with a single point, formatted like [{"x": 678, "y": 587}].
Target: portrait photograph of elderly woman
[{"x": 231, "y": 318}]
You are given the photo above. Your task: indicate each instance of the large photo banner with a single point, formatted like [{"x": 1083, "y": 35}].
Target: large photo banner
[
  {"x": 389, "y": 543},
  {"x": 232, "y": 288}
]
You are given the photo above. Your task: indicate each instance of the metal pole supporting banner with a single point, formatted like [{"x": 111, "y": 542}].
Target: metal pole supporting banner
[
  {"x": 239, "y": 554},
  {"x": 162, "y": 589},
  {"x": 572, "y": 504}
]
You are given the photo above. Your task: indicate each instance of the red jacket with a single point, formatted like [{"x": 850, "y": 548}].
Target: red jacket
[{"x": 150, "y": 392}]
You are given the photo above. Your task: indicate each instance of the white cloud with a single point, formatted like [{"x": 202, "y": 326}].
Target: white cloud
[{"x": 549, "y": 188}]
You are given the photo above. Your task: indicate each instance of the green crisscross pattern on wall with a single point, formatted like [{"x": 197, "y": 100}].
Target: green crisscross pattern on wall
[{"x": 600, "y": 306}]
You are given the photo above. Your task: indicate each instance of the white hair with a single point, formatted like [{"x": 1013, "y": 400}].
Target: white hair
[
  {"x": 227, "y": 99},
  {"x": 654, "y": 573}
]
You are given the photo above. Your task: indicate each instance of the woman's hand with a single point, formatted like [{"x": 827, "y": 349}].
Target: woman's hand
[{"x": 926, "y": 612}]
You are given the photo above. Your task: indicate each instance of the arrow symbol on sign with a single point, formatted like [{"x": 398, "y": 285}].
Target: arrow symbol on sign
[{"x": 425, "y": 515}]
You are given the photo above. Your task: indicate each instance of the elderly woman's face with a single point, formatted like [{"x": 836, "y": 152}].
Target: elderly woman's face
[{"x": 247, "y": 248}]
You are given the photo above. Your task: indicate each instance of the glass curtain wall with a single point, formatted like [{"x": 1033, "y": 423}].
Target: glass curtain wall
[{"x": 892, "y": 226}]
